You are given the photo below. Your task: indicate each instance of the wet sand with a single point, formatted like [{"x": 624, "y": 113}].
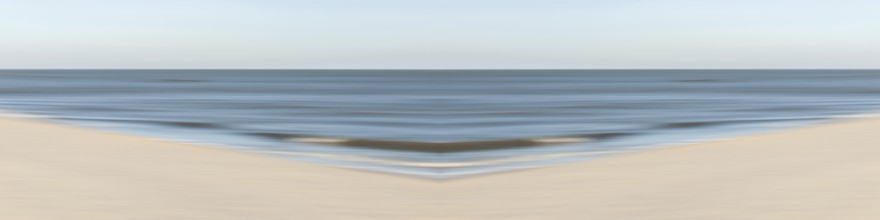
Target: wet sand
[{"x": 50, "y": 171}]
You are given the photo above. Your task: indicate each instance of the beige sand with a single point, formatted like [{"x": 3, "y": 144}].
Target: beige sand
[
  {"x": 67, "y": 173},
  {"x": 822, "y": 172},
  {"x": 59, "y": 172}
]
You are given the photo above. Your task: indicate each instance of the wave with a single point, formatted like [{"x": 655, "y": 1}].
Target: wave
[
  {"x": 699, "y": 80},
  {"x": 697, "y": 124},
  {"x": 692, "y": 124},
  {"x": 448, "y": 147},
  {"x": 182, "y": 80},
  {"x": 182, "y": 124},
  {"x": 439, "y": 147}
]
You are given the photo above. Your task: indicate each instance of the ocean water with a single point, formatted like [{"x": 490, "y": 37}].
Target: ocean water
[{"x": 440, "y": 123}]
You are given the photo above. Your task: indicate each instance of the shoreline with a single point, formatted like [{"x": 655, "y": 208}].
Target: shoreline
[
  {"x": 423, "y": 170},
  {"x": 56, "y": 171},
  {"x": 825, "y": 171}
]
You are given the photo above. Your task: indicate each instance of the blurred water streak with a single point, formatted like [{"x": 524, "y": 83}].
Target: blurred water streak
[{"x": 406, "y": 121}]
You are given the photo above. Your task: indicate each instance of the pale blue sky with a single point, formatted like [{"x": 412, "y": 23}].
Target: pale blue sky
[{"x": 439, "y": 34}]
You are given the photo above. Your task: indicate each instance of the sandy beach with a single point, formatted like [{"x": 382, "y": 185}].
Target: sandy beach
[
  {"x": 827, "y": 171},
  {"x": 50, "y": 171}
]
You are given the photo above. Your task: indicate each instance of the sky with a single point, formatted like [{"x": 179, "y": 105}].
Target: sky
[{"x": 439, "y": 34}]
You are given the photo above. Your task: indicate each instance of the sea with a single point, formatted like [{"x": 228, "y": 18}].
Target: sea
[{"x": 440, "y": 123}]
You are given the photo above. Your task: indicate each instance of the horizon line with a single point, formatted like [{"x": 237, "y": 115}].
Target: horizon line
[{"x": 438, "y": 69}]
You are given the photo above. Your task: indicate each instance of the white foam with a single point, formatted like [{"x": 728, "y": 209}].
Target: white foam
[
  {"x": 9, "y": 114},
  {"x": 860, "y": 115},
  {"x": 436, "y": 165}
]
